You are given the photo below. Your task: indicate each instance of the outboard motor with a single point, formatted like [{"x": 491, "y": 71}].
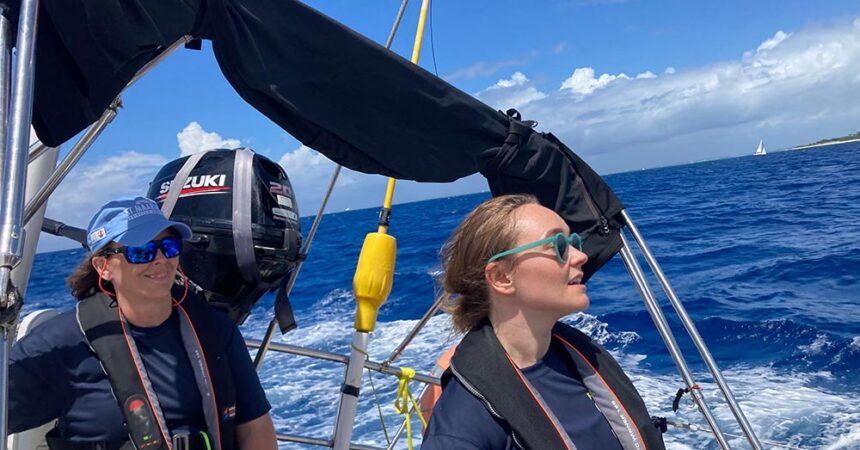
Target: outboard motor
[{"x": 247, "y": 237}]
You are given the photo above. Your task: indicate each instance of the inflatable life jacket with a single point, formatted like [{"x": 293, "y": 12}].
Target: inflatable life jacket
[
  {"x": 106, "y": 331},
  {"x": 481, "y": 365},
  {"x": 247, "y": 236}
]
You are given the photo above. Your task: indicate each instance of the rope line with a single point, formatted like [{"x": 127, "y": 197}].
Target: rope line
[
  {"x": 402, "y": 402},
  {"x": 432, "y": 45}
]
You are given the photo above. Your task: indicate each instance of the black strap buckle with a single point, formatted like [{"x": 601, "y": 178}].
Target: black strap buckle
[{"x": 181, "y": 440}]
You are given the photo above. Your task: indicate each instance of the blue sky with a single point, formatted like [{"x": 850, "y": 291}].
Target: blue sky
[{"x": 627, "y": 84}]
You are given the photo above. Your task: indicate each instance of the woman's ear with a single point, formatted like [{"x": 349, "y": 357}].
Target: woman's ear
[
  {"x": 100, "y": 264},
  {"x": 499, "y": 278}
]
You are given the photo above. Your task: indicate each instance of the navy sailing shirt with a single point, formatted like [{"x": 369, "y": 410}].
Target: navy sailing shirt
[
  {"x": 54, "y": 374},
  {"x": 461, "y": 422}
]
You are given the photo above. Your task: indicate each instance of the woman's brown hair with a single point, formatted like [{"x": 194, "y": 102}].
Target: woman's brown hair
[
  {"x": 84, "y": 280},
  {"x": 487, "y": 230}
]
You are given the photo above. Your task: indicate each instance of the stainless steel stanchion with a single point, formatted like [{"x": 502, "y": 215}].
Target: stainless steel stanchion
[
  {"x": 350, "y": 391},
  {"x": 5, "y": 274},
  {"x": 669, "y": 339},
  {"x": 694, "y": 333},
  {"x": 14, "y": 172}
]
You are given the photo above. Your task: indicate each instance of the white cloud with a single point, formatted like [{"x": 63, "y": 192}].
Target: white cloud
[
  {"x": 88, "y": 186},
  {"x": 771, "y": 43},
  {"x": 193, "y": 138},
  {"x": 501, "y": 96},
  {"x": 583, "y": 81},
  {"x": 518, "y": 79},
  {"x": 310, "y": 174},
  {"x": 797, "y": 87},
  {"x": 305, "y": 165}
]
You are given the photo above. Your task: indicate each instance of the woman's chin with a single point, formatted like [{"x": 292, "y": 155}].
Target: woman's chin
[{"x": 580, "y": 303}]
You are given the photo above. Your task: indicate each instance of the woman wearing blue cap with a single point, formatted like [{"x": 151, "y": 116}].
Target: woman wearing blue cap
[{"x": 139, "y": 363}]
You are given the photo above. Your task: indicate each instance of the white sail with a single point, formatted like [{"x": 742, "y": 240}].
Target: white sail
[{"x": 760, "y": 151}]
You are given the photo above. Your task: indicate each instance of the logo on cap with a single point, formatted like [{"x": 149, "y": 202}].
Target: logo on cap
[
  {"x": 142, "y": 208},
  {"x": 97, "y": 235}
]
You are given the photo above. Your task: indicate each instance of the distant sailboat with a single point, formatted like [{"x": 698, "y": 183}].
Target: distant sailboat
[{"x": 760, "y": 151}]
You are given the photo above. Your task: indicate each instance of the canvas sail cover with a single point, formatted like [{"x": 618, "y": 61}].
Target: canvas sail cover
[{"x": 336, "y": 91}]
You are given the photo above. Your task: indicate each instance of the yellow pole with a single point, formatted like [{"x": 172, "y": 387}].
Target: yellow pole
[
  {"x": 374, "y": 273},
  {"x": 419, "y": 33},
  {"x": 416, "y": 52}
]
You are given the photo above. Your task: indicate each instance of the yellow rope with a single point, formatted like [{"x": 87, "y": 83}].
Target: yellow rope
[{"x": 401, "y": 402}]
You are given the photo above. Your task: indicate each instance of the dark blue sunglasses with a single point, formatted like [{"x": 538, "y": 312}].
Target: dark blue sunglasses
[{"x": 171, "y": 247}]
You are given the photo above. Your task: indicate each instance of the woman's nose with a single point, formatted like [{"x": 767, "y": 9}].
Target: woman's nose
[
  {"x": 159, "y": 256},
  {"x": 577, "y": 258}
]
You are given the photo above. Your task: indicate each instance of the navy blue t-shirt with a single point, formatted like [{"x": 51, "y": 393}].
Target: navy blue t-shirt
[
  {"x": 461, "y": 422},
  {"x": 53, "y": 374}
]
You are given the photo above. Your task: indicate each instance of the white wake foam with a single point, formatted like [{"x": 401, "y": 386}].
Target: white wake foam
[{"x": 782, "y": 408}]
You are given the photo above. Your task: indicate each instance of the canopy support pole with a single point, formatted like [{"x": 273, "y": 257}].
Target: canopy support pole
[
  {"x": 694, "y": 333},
  {"x": 14, "y": 151},
  {"x": 668, "y": 338},
  {"x": 70, "y": 160},
  {"x": 414, "y": 332}
]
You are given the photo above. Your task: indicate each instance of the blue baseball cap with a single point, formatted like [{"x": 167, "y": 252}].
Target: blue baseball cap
[{"x": 130, "y": 222}]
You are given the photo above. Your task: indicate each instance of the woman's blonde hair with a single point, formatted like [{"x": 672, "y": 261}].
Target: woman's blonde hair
[{"x": 487, "y": 230}]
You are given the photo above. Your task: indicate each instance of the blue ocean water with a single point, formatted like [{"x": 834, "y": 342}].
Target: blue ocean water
[{"x": 762, "y": 251}]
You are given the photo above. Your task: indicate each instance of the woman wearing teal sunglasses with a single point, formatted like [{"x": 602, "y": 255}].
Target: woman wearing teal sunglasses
[{"x": 520, "y": 378}]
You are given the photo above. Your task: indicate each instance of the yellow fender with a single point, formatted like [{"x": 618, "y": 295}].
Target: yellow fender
[{"x": 374, "y": 276}]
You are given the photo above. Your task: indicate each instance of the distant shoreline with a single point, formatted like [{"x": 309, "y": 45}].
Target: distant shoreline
[{"x": 823, "y": 144}]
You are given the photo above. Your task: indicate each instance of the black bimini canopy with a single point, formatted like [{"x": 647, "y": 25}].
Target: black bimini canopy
[{"x": 336, "y": 91}]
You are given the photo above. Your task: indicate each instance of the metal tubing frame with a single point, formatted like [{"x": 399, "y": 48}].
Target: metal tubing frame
[
  {"x": 5, "y": 81},
  {"x": 338, "y": 358},
  {"x": 70, "y": 160},
  {"x": 92, "y": 133},
  {"x": 668, "y": 338},
  {"x": 414, "y": 332},
  {"x": 693, "y": 332},
  {"x": 350, "y": 391},
  {"x": 5, "y": 328},
  {"x": 16, "y": 144},
  {"x": 157, "y": 60},
  {"x": 36, "y": 150},
  {"x": 14, "y": 152}
]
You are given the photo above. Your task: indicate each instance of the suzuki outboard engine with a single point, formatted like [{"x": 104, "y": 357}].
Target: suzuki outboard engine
[{"x": 243, "y": 212}]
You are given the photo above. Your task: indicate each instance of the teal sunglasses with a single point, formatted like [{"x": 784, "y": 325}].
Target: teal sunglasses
[{"x": 559, "y": 241}]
